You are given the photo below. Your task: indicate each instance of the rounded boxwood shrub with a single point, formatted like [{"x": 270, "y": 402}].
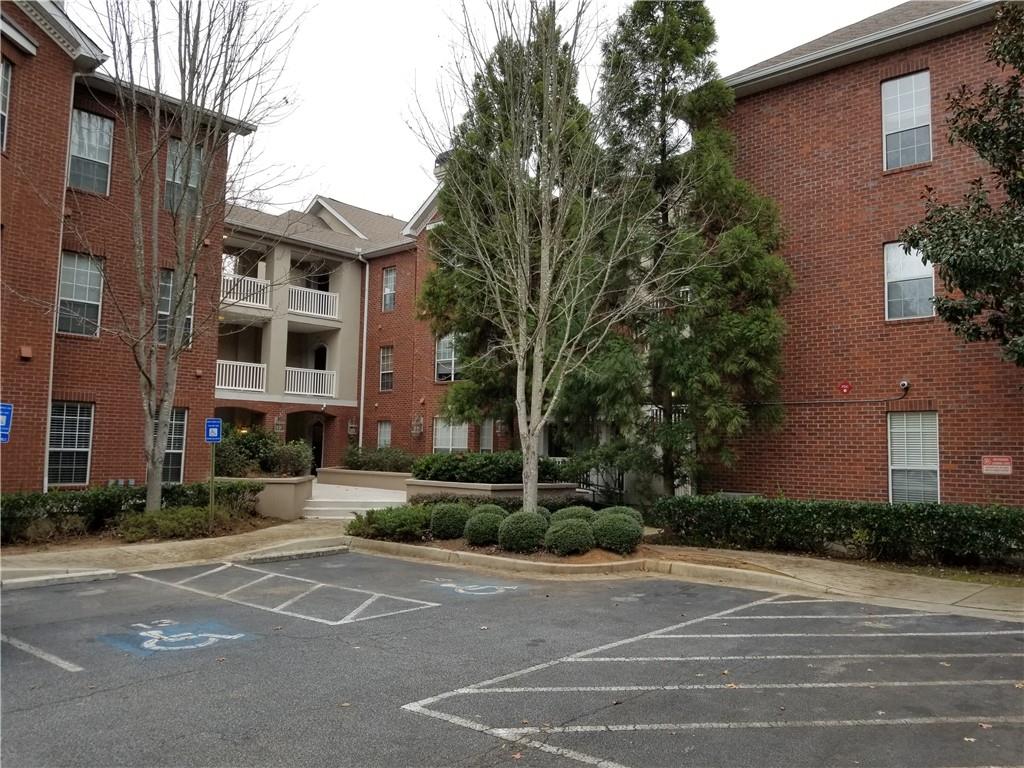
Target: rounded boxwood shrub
[
  {"x": 522, "y": 532},
  {"x": 448, "y": 521},
  {"x": 408, "y": 523},
  {"x": 570, "y": 536},
  {"x": 542, "y": 511},
  {"x": 573, "y": 513},
  {"x": 482, "y": 528},
  {"x": 491, "y": 509},
  {"x": 622, "y": 511},
  {"x": 617, "y": 533}
]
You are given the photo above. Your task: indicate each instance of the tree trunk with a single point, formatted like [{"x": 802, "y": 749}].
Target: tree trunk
[
  {"x": 668, "y": 458},
  {"x": 531, "y": 446}
]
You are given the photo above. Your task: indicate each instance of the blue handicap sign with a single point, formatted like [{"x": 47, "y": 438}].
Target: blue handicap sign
[
  {"x": 6, "y": 415},
  {"x": 213, "y": 430},
  {"x": 5, "y": 437}
]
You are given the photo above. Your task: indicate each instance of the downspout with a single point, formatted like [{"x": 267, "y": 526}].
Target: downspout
[
  {"x": 56, "y": 287},
  {"x": 362, "y": 363}
]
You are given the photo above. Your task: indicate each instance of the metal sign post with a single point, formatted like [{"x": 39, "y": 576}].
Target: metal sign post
[{"x": 212, "y": 434}]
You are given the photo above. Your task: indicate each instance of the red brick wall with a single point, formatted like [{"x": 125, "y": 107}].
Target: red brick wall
[
  {"x": 32, "y": 173},
  {"x": 815, "y": 146}
]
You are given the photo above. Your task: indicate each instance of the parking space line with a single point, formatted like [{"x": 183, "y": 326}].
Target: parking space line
[
  {"x": 841, "y": 634},
  {"x": 39, "y": 653},
  {"x": 362, "y": 607},
  {"x": 298, "y": 597},
  {"x": 249, "y": 584},
  {"x": 741, "y": 686},
  {"x": 808, "y": 600},
  {"x": 803, "y": 656},
  {"x": 512, "y": 733},
  {"x": 841, "y": 616},
  {"x": 204, "y": 573}
]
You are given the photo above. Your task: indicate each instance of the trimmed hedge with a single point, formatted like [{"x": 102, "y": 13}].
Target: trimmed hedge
[
  {"x": 935, "y": 533},
  {"x": 492, "y": 509},
  {"x": 570, "y": 536},
  {"x": 448, "y": 521},
  {"x": 573, "y": 513},
  {"x": 379, "y": 459},
  {"x": 173, "y": 523},
  {"x": 522, "y": 532},
  {"x": 406, "y": 523},
  {"x": 25, "y": 515},
  {"x": 501, "y": 467},
  {"x": 618, "y": 533},
  {"x": 509, "y": 503},
  {"x": 482, "y": 528},
  {"x": 622, "y": 511}
]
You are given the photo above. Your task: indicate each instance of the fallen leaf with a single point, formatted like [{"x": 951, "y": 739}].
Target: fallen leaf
[
  {"x": 221, "y": 658},
  {"x": 616, "y": 703},
  {"x": 880, "y": 712},
  {"x": 984, "y": 726},
  {"x": 517, "y": 755},
  {"x": 731, "y": 685},
  {"x": 1019, "y": 685},
  {"x": 277, "y": 629},
  {"x": 782, "y": 709},
  {"x": 725, "y": 671},
  {"x": 483, "y": 627},
  {"x": 345, "y": 704},
  {"x": 525, "y": 722},
  {"x": 968, "y": 738},
  {"x": 945, "y": 664}
]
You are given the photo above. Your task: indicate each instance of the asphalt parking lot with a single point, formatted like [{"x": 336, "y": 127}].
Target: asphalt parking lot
[{"x": 355, "y": 660}]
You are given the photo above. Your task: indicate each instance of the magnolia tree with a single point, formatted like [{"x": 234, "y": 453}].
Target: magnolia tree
[
  {"x": 547, "y": 245},
  {"x": 187, "y": 78}
]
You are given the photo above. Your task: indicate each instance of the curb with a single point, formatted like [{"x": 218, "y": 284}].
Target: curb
[
  {"x": 60, "y": 578},
  {"x": 297, "y": 554}
]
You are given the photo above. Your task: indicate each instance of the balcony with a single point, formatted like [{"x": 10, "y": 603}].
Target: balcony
[
  {"x": 308, "y": 381},
  {"x": 245, "y": 291},
  {"x": 244, "y": 377},
  {"x": 313, "y": 303}
]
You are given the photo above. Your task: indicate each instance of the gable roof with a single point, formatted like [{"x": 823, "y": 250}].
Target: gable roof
[
  {"x": 369, "y": 225},
  {"x": 423, "y": 214},
  {"x": 51, "y": 18},
  {"x": 899, "y": 27}
]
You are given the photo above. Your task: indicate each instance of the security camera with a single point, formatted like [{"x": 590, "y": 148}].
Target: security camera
[{"x": 904, "y": 385}]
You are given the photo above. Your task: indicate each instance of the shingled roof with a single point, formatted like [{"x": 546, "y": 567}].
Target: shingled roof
[{"x": 898, "y": 27}]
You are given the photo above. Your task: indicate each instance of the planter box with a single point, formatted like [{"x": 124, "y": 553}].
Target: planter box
[
  {"x": 484, "y": 490},
  {"x": 282, "y": 497},
  {"x": 363, "y": 478}
]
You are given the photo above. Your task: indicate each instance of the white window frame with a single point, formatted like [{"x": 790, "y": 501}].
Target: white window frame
[
  {"x": 110, "y": 151},
  {"x": 165, "y": 314},
  {"x": 50, "y": 450},
  {"x": 448, "y": 445},
  {"x": 384, "y": 434},
  {"x": 937, "y": 468},
  {"x": 387, "y": 351},
  {"x": 389, "y": 291},
  {"x": 170, "y": 437},
  {"x": 61, "y": 298},
  {"x": 897, "y": 248},
  {"x": 6, "y": 77},
  {"x": 453, "y": 360},
  {"x": 885, "y": 133},
  {"x": 487, "y": 436},
  {"x": 174, "y": 171}
]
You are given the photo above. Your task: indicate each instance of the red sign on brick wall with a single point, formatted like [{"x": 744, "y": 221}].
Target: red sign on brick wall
[{"x": 997, "y": 465}]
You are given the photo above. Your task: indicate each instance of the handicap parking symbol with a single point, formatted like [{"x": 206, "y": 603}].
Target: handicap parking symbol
[
  {"x": 470, "y": 589},
  {"x": 168, "y": 635}
]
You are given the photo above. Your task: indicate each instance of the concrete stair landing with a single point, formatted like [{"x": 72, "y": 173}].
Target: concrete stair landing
[{"x": 342, "y": 502}]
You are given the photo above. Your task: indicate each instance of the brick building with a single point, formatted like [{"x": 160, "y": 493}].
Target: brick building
[{"x": 845, "y": 133}]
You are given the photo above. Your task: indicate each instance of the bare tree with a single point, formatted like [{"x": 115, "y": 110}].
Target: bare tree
[
  {"x": 548, "y": 241},
  {"x": 222, "y": 60}
]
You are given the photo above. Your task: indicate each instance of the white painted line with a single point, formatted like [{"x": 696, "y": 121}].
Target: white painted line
[
  {"x": 739, "y": 686},
  {"x": 298, "y": 597},
  {"x": 239, "y": 589},
  {"x": 808, "y": 600},
  {"x": 845, "y": 634},
  {"x": 204, "y": 573},
  {"x": 843, "y": 616},
  {"x": 803, "y": 656},
  {"x": 511, "y": 733},
  {"x": 362, "y": 607},
  {"x": 39, "y": 653}
]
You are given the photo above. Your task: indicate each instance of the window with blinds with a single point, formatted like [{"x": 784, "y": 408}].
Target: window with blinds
[
  {"x": 174, "y": 455},
  {"x": 913, "y": 456},
  {"x": 70, "y": 443}
]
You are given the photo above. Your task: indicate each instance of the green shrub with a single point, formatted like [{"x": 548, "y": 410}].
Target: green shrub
[
  {"x": 522, "y": 532},
  {"x": 360, "y": 526},
  {"x": 542, "y": 511},
  {"x": 292, "y": 459},
  {"x": 508, "y": 503},
  {"x": 935, "y": 533},
  {"x": 379, "y": 459},
  {"x": 573, "y": 513},
  {"x": 493, "y": 509},
  {"x": 448, "y": 521},
  {"x": 172, "y": 523},
  {"x": 618, "y": 533},
  {"x": 246, "y": 451},
  {"x": 39, "y": 530},
  {"x": 482, "y": 528},
  {"x": 232, "y": 460},
  {"x": 569, "y": 536},
  {"x": 629, "y": 511},
  {"x": 501, "y": 467},
  {"x": 406, "y": 523}
]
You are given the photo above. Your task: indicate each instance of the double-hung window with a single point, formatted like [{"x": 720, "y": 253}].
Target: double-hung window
[
  {"x": 6, "y": 73},
  {"x": 81, "y": 290},
  {"x": 70, "y": 443},
  {"x": 450, "y": 438},
  {"x": 390, "y": 277},
  {"x": 487, "y": 436},
  {"x": 387, "y": 369},
  {"x": 913, "y": 456},
  {"x": 92, "y": 138},
  {"x": 909, "y": 284},
  {"x": 383, "y": 434},
  {"x": 181, "y": 190},
  {"x": 446, "y": 364},
  {"x": 165, "y": 306},
  {"x": 906, "y": 120},
  {"x": 174, "y": 453}
]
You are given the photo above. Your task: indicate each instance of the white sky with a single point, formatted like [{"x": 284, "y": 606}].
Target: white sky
[{"x": 357, "y": 66}]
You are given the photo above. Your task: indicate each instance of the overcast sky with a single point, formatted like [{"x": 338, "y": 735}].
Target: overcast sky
[{"x": 357, "y": 67}]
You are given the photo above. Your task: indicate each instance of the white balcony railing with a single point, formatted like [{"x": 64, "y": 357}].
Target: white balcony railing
[
  {"x": 306, "y": 381},
  {"x": 247, "y": 377},
  {"x": 247, "y": 291},
  {"x": 306, "y": 301}
]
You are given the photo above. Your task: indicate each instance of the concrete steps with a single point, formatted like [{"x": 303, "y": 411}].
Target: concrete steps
[{"x": 342, "y": 509}]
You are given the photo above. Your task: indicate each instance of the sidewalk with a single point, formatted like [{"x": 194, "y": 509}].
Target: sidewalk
[{"x": 754, "y": 570}]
